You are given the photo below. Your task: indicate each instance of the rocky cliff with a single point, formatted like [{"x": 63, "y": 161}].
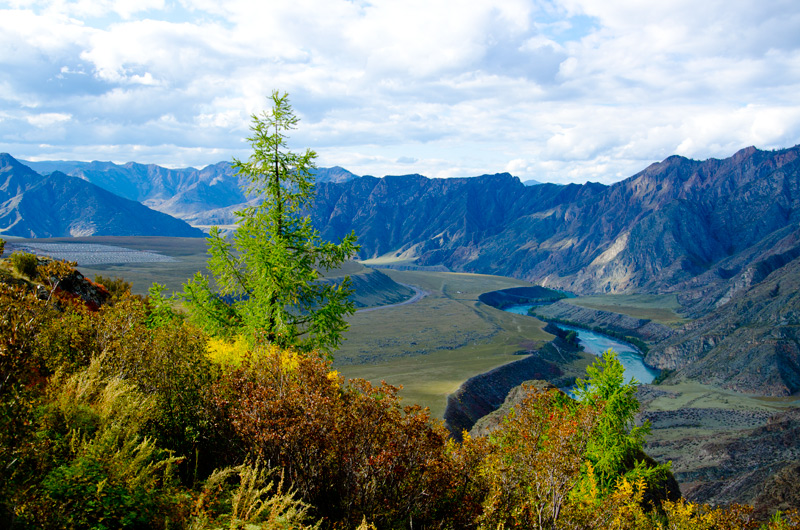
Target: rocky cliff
[{"x": 485, "y": 393}]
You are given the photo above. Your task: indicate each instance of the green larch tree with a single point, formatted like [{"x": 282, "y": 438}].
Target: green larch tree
[
  {"x": 266, "y": 275},
  {"x": 615, "y": 448}
]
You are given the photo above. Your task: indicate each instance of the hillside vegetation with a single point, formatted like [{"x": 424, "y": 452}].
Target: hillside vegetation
[{"x": 126, "y": 415}]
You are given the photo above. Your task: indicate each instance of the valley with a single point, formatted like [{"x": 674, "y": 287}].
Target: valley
[
  {"x": 698, "y": 260},
  {"x": 433, "y": 346}
]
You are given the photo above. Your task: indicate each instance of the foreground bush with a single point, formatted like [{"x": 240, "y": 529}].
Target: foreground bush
[
  {"x": 350, "y": 450},
  {"x": 90, "y": 466},
  {"x": 247, "y": 496}
]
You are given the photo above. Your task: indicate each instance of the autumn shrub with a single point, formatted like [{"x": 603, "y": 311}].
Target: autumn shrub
[
  {"x": 350, "y": 450},
  {"x": 686, "y": 515},
  {"x": 248, "y": 496},
  {"x": 558, "y": 462},
  {"x": 69, "y": 340},
  {"x": 537, "y": 462},
  {"x": 23, "y": 378},
  {"x": 168, "y": 362},
  {"x": 90, "y": 465}
]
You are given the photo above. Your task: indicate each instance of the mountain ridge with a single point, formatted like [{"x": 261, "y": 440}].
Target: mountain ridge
[
  {"x": 199, "y": 196},
  {"x": 59, "y": 205}
]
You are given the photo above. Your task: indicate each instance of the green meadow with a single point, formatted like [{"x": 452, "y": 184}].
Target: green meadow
[{"x": 432, "y": 346}]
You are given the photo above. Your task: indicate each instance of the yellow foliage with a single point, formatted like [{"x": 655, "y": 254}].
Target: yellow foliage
[
  {"x": 684, "y": 515},
  {"x": 586, "y": 492},
  {"x": 256, "y": 502},
  {"x": 227, "y": 354},
  {"x": 289, "y": 359},
  {"x": 365, "y": 525},
  {"x": 231, "y": 355},
  {"x": 627, "y": 498}
]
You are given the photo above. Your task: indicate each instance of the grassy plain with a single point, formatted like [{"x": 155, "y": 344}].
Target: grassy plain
[
  {"x": 432, "y": 346},
  {"x": 660, "y": 308},
  {"x": 189, "y": 255}
]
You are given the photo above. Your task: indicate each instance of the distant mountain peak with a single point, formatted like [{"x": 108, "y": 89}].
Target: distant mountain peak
[
  {"x": 62, "y": 205},
  {"x": 6, "y": 160}
]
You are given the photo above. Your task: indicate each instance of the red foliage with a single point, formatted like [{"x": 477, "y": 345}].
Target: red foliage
[{"x": 348, "y": 449}]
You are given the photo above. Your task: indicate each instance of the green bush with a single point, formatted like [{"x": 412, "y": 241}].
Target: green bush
[
  {"x": 95, "y": 468},
  {"x": 116, "y": 287},
  {"x": 25, "y": 264}
]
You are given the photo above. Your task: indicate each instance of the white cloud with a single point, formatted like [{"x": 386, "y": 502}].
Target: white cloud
[
  {"x": 47, "y": 119},
  {"x": 556, "y": 90}
]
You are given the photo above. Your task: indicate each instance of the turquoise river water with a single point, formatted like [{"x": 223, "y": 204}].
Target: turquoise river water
[{"x": 595, "y": 343}]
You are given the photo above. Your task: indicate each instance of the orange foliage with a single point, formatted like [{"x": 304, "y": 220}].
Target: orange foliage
[{"x": 351, "y": 450}]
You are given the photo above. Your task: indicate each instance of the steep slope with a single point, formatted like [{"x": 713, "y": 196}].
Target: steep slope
[
  {"x": 667, "y": 225},
  {"x": 59, "y": 205},
  {"x": 751, "y": 343},
  {"x": 199, "y": 196},
  {"x": 438, "y": 221}
]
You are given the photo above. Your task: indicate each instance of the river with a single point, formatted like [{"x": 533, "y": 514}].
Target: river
[{"x": 595, "y": 343}]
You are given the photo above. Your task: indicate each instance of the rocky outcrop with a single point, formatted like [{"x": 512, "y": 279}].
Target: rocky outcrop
[
  {"x": 491, "y": 421},
  {"x": 485, "y": 393},
  {"x": 63, "y": 284}
]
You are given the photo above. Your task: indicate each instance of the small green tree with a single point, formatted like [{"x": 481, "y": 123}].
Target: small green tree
[
  {"x": 615, "y": 448},
  {"x": 267, "y": 274}
]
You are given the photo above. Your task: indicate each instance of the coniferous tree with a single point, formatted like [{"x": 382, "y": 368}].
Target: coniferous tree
[{"x": 267, "y": 273}]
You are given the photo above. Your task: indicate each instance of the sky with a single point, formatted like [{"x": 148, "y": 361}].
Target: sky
[{"x": 552, "y": 90}]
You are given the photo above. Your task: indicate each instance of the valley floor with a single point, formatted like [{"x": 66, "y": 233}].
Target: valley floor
[{"x": 431, "y": 347}]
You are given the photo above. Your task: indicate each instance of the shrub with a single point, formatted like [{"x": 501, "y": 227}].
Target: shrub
[
  {"x": 246, "y": 496},
  {"x": 350, "y": 450},
  {"x": 25, "y": 264},
  {"x": 117, "y": 287},
  {"x": 95, "y": 468},
  {"x": 169, "y": 363},
  {"x": 538, "y": 460}
]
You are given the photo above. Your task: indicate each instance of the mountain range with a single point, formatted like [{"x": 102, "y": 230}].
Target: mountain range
[
  {"x": 59, "y": 205},
  {"x": 721, "y": 234},
  {"x": 202, "y": 197}
]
